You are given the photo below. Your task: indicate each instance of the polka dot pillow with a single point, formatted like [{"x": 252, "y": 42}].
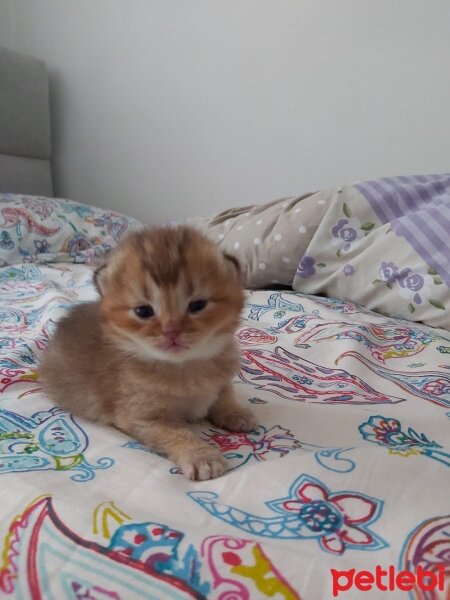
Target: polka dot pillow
[{"x": 268, "y": 239}]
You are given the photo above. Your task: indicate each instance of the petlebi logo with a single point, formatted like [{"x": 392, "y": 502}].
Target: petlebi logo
[{"x": 387, "y": 580}]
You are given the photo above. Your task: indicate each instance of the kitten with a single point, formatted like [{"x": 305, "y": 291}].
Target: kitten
[{"x": 157, "y": 350}]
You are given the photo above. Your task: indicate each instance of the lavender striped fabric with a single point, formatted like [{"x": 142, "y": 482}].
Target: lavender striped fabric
[{"x": 418, "y": 209}]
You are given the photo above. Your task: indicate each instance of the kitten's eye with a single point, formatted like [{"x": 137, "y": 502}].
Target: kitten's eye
[
  {"x": 144, "y": 312},
  {"x": 197, "y": 305}
]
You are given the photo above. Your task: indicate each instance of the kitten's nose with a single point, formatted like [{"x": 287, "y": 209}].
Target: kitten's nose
[{"x": 171, "y": 330}]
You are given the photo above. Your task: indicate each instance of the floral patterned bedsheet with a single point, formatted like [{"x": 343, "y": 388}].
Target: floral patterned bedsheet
[{"x": 349, "y": 468}]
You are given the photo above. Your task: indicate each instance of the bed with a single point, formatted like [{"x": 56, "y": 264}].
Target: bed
[{"x": 344, "y": 484}]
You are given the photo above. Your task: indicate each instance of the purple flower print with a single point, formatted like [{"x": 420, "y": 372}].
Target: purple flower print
[
  {"x": 413, "y": 286},
  {"x": 388, "y": 272},
  {"x": 349, "y": 270},
  {"x": 42, "y": 246},
  {"x": 306, "y": 267},
  {"x": 412, "y": 281},
  {"x": 78, "y": 243},
  {"x": 343, "y": 230}
]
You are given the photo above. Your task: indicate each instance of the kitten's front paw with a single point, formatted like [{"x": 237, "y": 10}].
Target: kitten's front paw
[
  {"x": 238, "y": 420},
  {"x": 202, "y": 465}
]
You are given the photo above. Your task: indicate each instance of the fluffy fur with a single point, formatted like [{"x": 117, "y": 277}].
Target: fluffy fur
[{"x": 151, "y": 374}]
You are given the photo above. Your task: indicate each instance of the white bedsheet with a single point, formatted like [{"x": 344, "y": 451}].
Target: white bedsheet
[{"x": 349, "y": 468}]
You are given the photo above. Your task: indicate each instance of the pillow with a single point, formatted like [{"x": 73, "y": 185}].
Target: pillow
[
  {"x": 39, "y": 230},
  {"x": 269, "y": 239},
  {"x": 385, "y": 244}
]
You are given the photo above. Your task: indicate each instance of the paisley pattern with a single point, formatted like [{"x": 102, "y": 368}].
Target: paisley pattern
[
  {"x": 332, "y": 459},
  {"x": 252, "y": 336},
  {"x": 234, "y": 562},
  {"x": 291, "y": 376},
  {"x": 388, "y": 432},
  {"x": 132, "y": 566},
  {"x": 347, "y": 469},
  {"x": 387, "y": 341},
  {"x": 135, "y": 561},
  {"x": 338, "y": 521},
  {"x": 41, "y": 230},
  {"x": 428, "y": 545},
  {"x": 429, "y": 385},
  {"x": 47, "y": 440}
]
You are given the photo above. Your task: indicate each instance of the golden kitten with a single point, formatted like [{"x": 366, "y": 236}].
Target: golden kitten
[{"x": 157, "y": 350}]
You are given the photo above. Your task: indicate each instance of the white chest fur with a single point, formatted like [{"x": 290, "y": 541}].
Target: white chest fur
[{"x": 197, "y": 407}]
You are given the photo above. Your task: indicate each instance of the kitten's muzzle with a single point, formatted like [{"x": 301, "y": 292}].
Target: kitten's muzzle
[
  {"x": 171, "y": 340},
  {"x": 173, "y": 346}
]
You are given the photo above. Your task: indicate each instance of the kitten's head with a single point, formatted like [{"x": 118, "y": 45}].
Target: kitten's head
[{"x": 170, "y": 294}]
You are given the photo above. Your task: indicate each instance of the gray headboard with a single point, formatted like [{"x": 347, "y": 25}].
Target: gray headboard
[{"x": 25, "y": 144}]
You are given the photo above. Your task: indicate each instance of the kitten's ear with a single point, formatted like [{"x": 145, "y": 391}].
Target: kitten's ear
[
  {"x": 99, "y": 278},
  {"x": 235, "y": 266},
  {"x": 101, "y": 272}
]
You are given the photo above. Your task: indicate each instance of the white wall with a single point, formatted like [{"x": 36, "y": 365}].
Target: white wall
[{"x": 167, "y": 108}]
